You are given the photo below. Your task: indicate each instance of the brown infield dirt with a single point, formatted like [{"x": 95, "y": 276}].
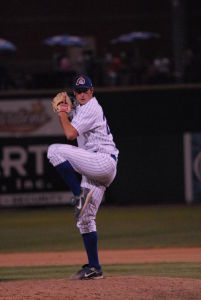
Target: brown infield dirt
[{"x": 111, "y": 287}]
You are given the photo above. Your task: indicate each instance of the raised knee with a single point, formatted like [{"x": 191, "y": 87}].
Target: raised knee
[
  {"x": 51, "y": 151},
  {"x": 53, "y": 154}
]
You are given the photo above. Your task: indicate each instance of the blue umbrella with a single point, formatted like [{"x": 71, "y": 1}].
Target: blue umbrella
[
  {"x": 134, "y": 36},
  {"x": 6, "y": 45},
  {"x": 65, "y": 40}
]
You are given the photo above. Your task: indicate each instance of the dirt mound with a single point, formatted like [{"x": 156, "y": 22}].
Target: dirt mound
[
  {"x": 109, "y": 288},
  {"x": 138, "y": 288}
]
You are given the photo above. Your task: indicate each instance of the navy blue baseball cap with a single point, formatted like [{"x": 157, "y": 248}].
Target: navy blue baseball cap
[{"x": 82, "y": 83}]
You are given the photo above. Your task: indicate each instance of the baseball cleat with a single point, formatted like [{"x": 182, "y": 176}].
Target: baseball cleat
[
  {"x": 87, "y": 273},
  {"x": 81, "y": 202}
]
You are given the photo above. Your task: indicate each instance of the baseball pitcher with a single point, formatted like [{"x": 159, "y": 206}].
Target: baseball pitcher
[{"x": 95, "y": 159}]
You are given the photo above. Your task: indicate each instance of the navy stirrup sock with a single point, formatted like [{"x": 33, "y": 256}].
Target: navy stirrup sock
[
  {"x": 67, "y": 172},
  {"x": 90, "y": 242}
]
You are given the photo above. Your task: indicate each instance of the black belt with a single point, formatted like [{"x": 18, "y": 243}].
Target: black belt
[{"x": 114, "y": 157}]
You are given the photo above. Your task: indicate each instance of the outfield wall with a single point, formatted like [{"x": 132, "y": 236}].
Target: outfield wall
[{"x": 148, "y": 125}]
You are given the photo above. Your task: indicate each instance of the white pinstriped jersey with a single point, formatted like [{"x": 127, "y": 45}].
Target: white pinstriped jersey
[
  {"x": 94, "y": 132},
  {"x": 90, "y": 158}
]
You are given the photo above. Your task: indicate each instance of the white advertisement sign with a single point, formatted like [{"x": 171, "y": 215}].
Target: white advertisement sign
[
  {"x": 27, "y": 128},
  {"x": 27, "y": 118}
]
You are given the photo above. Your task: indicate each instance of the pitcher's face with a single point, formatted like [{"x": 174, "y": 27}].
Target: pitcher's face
[{"x": 84, "y": 96}]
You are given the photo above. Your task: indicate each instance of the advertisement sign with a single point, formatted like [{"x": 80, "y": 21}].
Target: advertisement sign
[
  {"x": 192, "y": 167},
  {"x": 27, "y": 128}
]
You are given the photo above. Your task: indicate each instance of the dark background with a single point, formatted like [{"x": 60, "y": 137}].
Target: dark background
[
  {"x": 28, "y": 23},
  {"x": 148, "y": 127}
]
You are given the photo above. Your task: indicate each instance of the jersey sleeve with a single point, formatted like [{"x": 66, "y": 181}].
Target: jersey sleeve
[{"x": 85, "y": 119}]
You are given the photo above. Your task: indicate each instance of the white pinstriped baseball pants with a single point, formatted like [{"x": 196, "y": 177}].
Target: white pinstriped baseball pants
[{"x": 98, "y": 170}]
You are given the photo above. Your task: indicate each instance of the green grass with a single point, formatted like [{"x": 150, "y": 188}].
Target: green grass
[
  {"x": 183, "y": 270},
  {"x": 119, "y": 227}
]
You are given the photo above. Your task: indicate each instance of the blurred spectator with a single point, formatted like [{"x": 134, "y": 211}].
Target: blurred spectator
[
  {"x": 113, "y": 70},
  {"x": 149, "y": 75},
  {"x": 89, "y": 63},
  {"x": 80, "y": 67},
  {"x": 64, "y": 64},
  {"x": 158, "y": 72},
  {"x": 162, "y": 69},
  {"x": 124, "y": 71},
  {"x": 136, "y": 71},
  {"x": 106, "y": 61},
  {"x": 56, "y": 61}
]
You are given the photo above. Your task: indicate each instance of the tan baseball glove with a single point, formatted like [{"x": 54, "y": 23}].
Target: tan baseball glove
[{"x": 62, "y": 102}]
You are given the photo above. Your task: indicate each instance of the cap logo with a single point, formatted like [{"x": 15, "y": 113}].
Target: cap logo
[{"x": 80, "y": 80}]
